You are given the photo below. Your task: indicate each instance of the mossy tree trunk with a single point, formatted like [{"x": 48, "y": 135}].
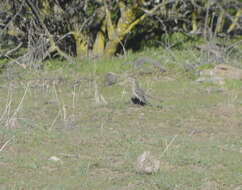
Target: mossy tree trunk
[
  {"x": 235, "y": 22},
  {"x": 116, "y": 33}
]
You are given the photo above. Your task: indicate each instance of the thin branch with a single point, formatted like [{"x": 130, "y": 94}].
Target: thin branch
[
  {"x": 21, "y": 102},
  {"x": 8, "y": 53},
  {"x": 13, "y": 18},
  {"x": 5, "y": 144},
  {"x": 147, "y": 13},
  {"x": 53, "y": 46},
  {"x": 167, "y": 147}
]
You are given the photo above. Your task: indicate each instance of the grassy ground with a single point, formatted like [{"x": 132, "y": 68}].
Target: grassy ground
[{"x": 197, "y": 135}]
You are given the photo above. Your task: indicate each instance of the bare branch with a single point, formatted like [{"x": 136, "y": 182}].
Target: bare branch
[
  {"x": 8, "y": 53},
  {"x": 5, "y": 144}
]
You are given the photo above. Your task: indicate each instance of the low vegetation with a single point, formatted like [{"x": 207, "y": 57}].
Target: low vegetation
[
  {"x": 63, "y": 128},
  {"x": 92, "y": 90}
]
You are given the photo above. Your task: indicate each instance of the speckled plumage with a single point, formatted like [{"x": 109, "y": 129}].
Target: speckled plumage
[{"x": 139, "y": 96}]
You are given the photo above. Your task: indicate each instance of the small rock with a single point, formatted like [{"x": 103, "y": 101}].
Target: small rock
[
  {"x": 228, "y": 72},
  {"x": 206, "y": 73},
  {"x": 140, "y": 62},
  {"x": 219, "y": 73},
  {"x": 55, "y": 159},
  {"x": 189, "y": 67},
  {"x": 111, "y": 79},
  {"x": 215, "y": 80},
  {"x": 214, "y": 90},
  {"x": 147, "y": 163}
]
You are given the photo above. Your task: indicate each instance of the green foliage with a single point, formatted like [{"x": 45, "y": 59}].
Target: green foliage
[
  {"x": 3, "y": 63},
  {"x": 205, "y": 67},
  {"x": 234, "y": 84},
  {"x": 54, "y": 64}
]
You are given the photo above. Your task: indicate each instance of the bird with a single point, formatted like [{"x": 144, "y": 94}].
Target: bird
[{"x": 139, "y": 96}]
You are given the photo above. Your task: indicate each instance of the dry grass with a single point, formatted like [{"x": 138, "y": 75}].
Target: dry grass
[{"x": 98, "y": 134}]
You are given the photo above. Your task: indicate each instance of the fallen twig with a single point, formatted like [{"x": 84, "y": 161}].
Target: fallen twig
[
  {"x": 167, "y": 147},
  {"x": 5, "y": 144}
]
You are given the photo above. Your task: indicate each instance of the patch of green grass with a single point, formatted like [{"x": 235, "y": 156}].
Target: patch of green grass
[
  {"x": 99, "y": 66},
  {"x": 2, "y": 64},
  {"x": 234, "y": 84}
]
